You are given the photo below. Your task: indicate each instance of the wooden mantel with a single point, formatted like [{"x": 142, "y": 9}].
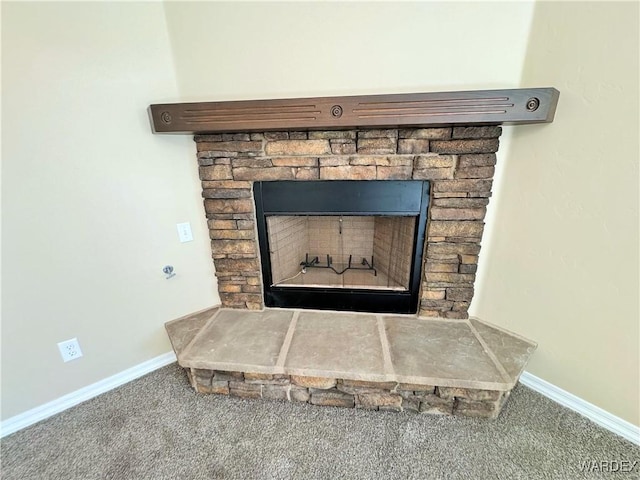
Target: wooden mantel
[{"x": 479, "y": 107}]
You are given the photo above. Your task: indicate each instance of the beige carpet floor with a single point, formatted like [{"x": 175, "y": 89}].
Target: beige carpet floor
[{"x": 156, "y": 427}]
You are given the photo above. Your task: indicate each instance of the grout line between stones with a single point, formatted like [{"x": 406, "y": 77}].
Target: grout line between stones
[
  {"x": 506, "y": 377},
  {"x": 284, "y": 351},
  {"x": 506, "y": 331},
  {"x": 186, "y": 349},
  {"x": 386, "y": 353}
]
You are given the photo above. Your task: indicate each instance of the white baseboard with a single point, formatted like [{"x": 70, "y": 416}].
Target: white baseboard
[
  {"x": 49, "y": 409},
  {"x": 597, "y": 415}
]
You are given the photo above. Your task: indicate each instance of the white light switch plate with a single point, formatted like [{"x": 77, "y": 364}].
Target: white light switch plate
[{"x": 184, "y": 232}]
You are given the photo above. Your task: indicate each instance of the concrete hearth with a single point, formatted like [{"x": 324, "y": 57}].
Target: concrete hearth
[{"x": 386, "y": 362}]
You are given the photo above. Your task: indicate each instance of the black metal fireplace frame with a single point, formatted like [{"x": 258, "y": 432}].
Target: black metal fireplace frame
[{"x": 343, "y": 197}]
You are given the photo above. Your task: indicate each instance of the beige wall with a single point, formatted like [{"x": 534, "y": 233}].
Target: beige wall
[
  {"x": 90, "y": 197},
  {"x": 244, "y": 50},
  {"x": 563, "y": 264}
]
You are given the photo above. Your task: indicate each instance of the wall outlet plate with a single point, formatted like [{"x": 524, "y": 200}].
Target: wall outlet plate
[{"x": 70, "y": 349}]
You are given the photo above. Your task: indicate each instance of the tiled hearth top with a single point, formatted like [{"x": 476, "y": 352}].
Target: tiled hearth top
[{"x": 355, "y": 346}]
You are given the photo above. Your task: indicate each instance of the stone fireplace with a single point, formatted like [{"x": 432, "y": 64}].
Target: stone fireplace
[
  {"x": 374, "y": 204},
  {"x": 458, "y": 162},
  {"x": 446, "y": 139}
]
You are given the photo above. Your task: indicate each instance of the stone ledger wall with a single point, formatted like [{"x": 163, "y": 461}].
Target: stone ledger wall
[
  {"x": 459, "y": 161},
  {"x": 351, "y": 393}
]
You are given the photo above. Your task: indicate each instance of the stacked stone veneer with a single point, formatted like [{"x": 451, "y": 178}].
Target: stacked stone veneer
[
  {"x": 459, "y": 161},
  {"x": 351, "y": 393}
]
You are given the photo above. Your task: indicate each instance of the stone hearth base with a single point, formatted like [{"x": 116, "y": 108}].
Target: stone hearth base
[
  {"x": 377, "y": 362},
  {"x": 351, "y": 393}
]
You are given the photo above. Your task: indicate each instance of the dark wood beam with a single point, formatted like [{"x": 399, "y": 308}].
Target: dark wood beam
[{"x": 480, "y": 107}]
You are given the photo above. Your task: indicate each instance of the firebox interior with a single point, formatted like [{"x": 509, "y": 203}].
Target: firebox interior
[{"x": 341, "y": 251}]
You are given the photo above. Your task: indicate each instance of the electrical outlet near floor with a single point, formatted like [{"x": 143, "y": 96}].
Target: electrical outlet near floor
[{"x": 70, "y": 349}]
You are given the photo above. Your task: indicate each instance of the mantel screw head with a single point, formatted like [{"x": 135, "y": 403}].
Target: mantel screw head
[
  {"x": 532, "y": 104},
  {"x": 336, "y": 111},
  {"x": 166, "y": 117}
]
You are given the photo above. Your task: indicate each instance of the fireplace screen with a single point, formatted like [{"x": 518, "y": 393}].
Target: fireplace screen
[
  {"x": 341, "y": 251},
  {"x": 343, "y": 245}
]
